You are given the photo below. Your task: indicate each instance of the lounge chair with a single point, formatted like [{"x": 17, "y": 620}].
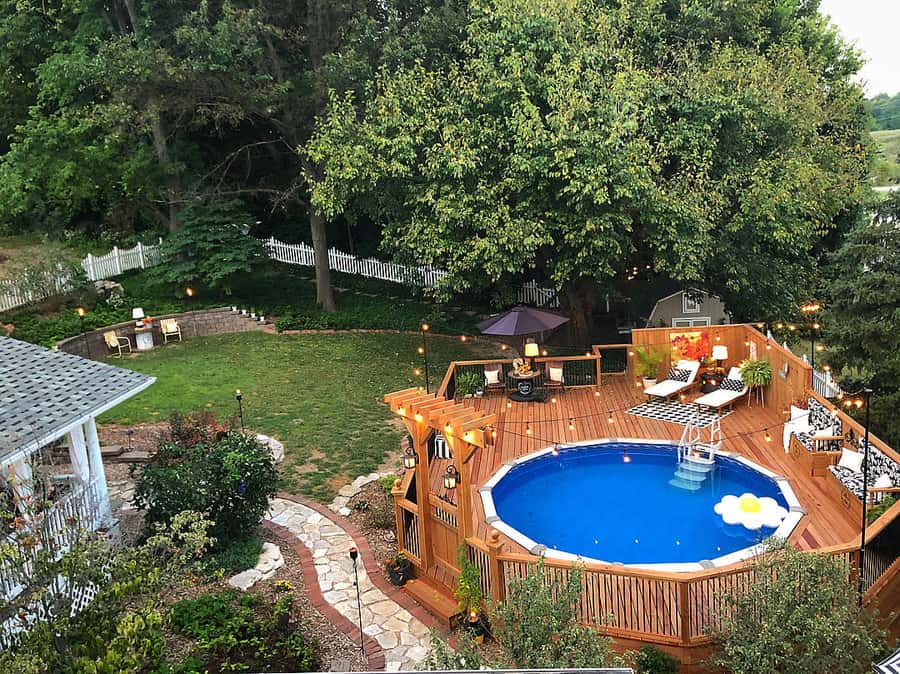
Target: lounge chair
[
  {"x": 672, "y": 387},
  {"x": 493, "y": 378},
  {"x": 170, "y": 329},
  {"x": 116, "y": 343},
  {"x": 731, "y": 390}
]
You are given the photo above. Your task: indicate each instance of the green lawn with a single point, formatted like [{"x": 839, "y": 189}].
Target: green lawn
[
  {"x": 886, "y": 170},
  {"x": 319, "y": 394}
]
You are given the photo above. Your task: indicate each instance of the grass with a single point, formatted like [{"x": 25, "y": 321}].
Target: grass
[
  {"x": 319, "y": 394},
  {"x": 886, "y": 170}
]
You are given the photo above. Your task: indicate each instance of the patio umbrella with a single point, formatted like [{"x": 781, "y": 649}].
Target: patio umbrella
[{"x": 522, "y": 321}]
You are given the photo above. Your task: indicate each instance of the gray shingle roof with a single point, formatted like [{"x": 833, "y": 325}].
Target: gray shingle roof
[{"x": 44, "y": 392}]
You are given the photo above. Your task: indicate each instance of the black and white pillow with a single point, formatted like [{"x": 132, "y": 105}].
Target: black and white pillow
[
  {"x": 732, "y": 385},
  {"x": 679, "y": 375},
  {"x": 819, "y": 416}
]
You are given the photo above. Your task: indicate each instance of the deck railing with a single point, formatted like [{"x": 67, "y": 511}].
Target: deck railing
[
  {"x": 615, "y": 358},
  {"x": 578, "y": 371}
]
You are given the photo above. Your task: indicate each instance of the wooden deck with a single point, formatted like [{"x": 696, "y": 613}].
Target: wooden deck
[{"x": 826, "y": 523}]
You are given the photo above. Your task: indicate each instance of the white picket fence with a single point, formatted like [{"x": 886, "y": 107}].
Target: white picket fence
[{"x": 141, "y": 256}]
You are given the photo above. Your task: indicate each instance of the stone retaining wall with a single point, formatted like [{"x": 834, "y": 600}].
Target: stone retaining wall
[{"x": 198, "y": 323}]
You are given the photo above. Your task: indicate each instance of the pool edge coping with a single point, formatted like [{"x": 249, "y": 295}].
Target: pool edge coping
[{"x": 795, "y": 514}]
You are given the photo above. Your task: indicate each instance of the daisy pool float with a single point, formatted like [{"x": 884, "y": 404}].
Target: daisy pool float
[{"x": 750, "y": 511}]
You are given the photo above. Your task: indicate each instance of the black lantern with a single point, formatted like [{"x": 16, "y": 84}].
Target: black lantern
[
  {"x": 410, "y": 459},
  {"x": 451, "y": 477}
]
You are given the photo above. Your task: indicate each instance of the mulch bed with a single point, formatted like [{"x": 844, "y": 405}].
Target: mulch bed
[{"x": 366, "y": 513}]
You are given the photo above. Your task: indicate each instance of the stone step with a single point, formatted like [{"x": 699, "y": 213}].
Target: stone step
[
  {"x": 685, "y": 484},
  {"x": 134, "y": 456},
  {"x": 108, "y": 451}
]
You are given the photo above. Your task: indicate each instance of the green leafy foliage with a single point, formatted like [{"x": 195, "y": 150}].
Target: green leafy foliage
[
  {"x": 441, "y": 657},
  {"x": 648, "y": 360},
  {"x": 211, "y": 247},
  {"x": 468, "y": 586},
  {"x": 799, "y": 615},
  {"x": 861, "y": 316},
  {"x": 227, "y": 475},
  {"x": 236, "y": 555},
  {"x": 537, "y": 626},
  {"x": 242, "y": 632},
  {"x": 756, "y": 372},
  {"x": 885, "y": 111},
  {"x": 653, "y": 660}
]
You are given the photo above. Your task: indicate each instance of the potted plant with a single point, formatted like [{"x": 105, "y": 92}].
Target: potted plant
[
  {"x": 399, "y": 569},
  {"x": 468, "y": 383},
  {"x": 470, "y": 597},
  {"x": 756, "y": 374},
  {"x": 647, "y": 362}
]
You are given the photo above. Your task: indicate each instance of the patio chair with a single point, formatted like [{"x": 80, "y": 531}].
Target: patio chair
[
  {"x": 493, "y": 378},
  {"x": 554, "y": 376},
  {"x": 681, "y": 378},
  {"x": 170, "y": 329},
  {"x": 116, "y": 343},
  {"x": 732, "y": 389}
]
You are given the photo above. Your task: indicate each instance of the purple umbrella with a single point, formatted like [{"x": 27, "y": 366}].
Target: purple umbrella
[{"x": 521, "y": 321}]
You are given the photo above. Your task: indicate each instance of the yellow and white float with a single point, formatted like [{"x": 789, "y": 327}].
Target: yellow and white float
[{"x": 750, "y": 511}]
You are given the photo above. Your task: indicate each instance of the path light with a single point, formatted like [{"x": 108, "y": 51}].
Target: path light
[
  {"x": 527, "y": 429},
  {"x": 354, "y": 553},
  {"x": 451, "y": 476},
  {"x": 768, "y": 437},
  {"x": 423, "y": 350},
  {"x": 87, "y": 345},
  {"x": 239, "y": 397},
  {"x": 571, "y": 423},
  {"x": 410, "y": 458},
  {"x": 610, "y": 419}
]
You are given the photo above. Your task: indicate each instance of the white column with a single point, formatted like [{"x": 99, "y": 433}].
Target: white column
[
  {"x": 78, "y": 455},
  {"x": 98, "y": 474}
]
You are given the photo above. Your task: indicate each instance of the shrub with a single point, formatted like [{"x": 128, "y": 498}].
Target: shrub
[
  {"x": 468, "y": 588},
  {"x": 799, "y": 615},
  {"x": 537, "y": 626},
  {"x": 242, "y": 632},
  {"x": 465, "y": 657},
  {"x": 237, "y": 555},
  {"x": 653, "y": 660},
  {"x": 228, "y": 477}
]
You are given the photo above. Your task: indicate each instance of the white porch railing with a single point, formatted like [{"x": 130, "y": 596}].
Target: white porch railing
[
  {"x": 141, "y": 256},
  {"x": 55, "y": 528}
]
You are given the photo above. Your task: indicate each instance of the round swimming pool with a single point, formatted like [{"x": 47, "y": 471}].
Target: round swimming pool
[{"x": 622, "y": 502}]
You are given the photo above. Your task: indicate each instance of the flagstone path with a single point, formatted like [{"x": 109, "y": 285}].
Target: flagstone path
[{"x": 401, "y": 635}]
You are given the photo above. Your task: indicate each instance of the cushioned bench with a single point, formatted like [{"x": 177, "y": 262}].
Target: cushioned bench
[
  {"x": 814, "y": 438},
  {"x": 850, "y": 482}
]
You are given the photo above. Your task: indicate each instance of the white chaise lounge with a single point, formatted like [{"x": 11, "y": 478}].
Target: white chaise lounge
[
  {"x": 727, "y": 394},
  {"x": 672, "y": 387}
]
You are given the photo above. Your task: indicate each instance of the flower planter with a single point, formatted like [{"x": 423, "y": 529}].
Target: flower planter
[
  {"x": 648, "y": 382},
  {"x": 399, "y": 571},
  {"x": 477, "y": 627}
]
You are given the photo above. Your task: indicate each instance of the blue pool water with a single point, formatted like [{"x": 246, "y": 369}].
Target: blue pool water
[{"x": 591, "y": 502}]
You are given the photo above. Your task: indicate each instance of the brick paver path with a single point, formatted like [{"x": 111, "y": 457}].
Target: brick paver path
[{"x": 402, "y": 636}]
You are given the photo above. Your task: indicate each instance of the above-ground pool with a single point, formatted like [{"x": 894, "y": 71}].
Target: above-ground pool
[{"x": 620, "y": 502}]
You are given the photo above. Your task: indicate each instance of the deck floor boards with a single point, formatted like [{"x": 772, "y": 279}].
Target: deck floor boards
[{"x": 827, "y": 522}]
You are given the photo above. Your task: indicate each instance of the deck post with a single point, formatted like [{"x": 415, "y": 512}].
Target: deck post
[
  {"x": 598, "y": 358},
  {"x": 684, "y": 612},
  {"x": 464, "y": 501},
  {"x": 397, "y": 493},
  {"x": 420, "y": 434},
  {"x": 495, "y": 547}
]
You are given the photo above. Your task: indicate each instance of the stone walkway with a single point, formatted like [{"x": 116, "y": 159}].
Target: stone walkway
[{"x": 402, "y": 636}]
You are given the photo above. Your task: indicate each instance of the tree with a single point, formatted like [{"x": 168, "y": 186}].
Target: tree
[
  {"x": 862, "y": 312},
  {"x": 799, "y": 615},
  {"x": 569, "y": 142},
  {"x": 885, "y": 111}
]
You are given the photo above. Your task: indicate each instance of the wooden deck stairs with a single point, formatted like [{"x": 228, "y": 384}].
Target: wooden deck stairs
[{"x": 435, "y": 597}]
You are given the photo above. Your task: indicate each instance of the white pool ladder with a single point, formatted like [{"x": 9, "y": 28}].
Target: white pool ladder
[{"x": 696, "y": 458}]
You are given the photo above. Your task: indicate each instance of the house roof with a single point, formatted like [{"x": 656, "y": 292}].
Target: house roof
[{"x": 44, "y": 394}]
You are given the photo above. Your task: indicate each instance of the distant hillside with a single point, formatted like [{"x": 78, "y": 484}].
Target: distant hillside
[
  {"x": 886, "y": 111},
  {"x": 886, "y": 170}
]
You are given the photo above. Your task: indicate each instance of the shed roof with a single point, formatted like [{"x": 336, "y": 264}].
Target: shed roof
[{"x": 44, "y": 394}]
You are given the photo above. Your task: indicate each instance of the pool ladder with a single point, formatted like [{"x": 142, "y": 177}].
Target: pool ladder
[{"x": 696, "y": 458}]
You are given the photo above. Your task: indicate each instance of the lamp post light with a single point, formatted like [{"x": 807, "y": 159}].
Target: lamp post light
[
  {"x": 87, "y": 344},
  {"x": 866, "y": 400},
  {"x": 423, "y": 350},
  {"x": 190, "y": 295},
  {"x": 354, "y": 553},
  {"x": 239, "y": 397}
]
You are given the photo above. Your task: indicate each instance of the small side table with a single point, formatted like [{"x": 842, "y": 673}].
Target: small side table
[
  {"x": 143, "y": 338},
  {"x": 526, "y": 391},
  {"x": 711, "y": 381}
]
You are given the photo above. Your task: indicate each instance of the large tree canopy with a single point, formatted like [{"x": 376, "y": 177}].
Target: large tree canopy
[{"x": 571, "y": 141}]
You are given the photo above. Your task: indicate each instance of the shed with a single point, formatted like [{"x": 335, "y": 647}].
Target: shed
[{"x": 688, "y": 308}]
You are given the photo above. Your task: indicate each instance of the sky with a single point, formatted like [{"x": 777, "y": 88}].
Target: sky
[{"x": 874, "y": 25}]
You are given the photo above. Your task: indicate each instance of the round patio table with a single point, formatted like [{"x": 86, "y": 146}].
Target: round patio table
[{"x": 526, "y": 390}]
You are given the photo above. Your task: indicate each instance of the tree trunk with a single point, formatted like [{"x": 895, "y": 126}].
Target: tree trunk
[
  {"x": 173, "y": 181},
  {"x": 324, "y": 293},
  {"x": 581, "y": 296}
]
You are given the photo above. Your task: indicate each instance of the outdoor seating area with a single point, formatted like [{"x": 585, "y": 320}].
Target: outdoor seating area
[{"x": 485, "y": 438}]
